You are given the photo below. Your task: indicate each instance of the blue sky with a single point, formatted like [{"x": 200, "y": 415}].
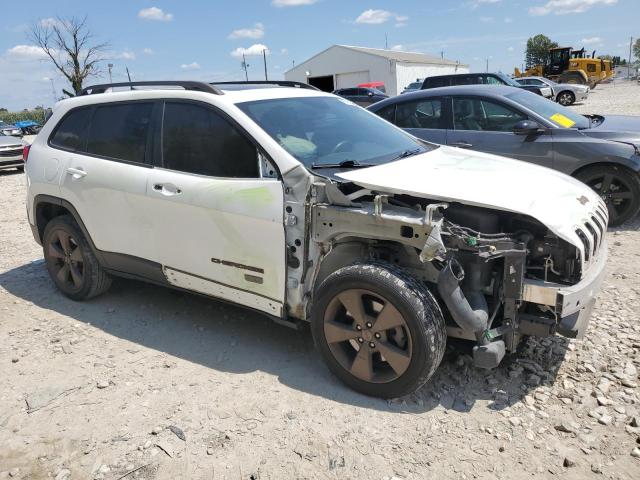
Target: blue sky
[{"x": 170, "y": 39}]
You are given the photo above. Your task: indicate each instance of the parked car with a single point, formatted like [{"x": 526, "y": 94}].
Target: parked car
[
  {"x": 602, "y": 151},
  {"x": 9, "y": 130},
  {"x": 11, "y": 149},
  {"x": 455, "y": 79},
  {"x": 413, "y": 86},
  {"x": 564, "y": 93},
  {"x": 28, "y": 127},
  {"x": 361, "y": 96},
  {"x": 297, "y": 204},
  {"x": 377, "y": 85}
]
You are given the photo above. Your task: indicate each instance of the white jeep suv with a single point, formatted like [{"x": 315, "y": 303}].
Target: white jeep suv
[{"x": 304, "y": 206}]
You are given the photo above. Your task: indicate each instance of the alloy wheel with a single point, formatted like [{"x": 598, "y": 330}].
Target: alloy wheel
[
  {"x": 565, "y": 99},
  {"x": 616, "y": 191},
  {"x": 65, "y": 258},
  {"x": 367, "y": 336}
]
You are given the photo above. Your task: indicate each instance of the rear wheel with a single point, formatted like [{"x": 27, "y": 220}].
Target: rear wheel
[
  {"x": 566, "y": 98},
  {"x": 618, "y": 187},
  {"x": 379, "y": 330},
  {"x": 70, "y": 261}
]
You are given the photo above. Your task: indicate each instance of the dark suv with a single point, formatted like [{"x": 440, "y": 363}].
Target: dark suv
[
  {"x": 361, "y": 96},
  {"x": 481, "y": 79}
]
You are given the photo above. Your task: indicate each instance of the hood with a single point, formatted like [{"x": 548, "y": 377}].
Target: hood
[
  {"x": 449, "y": 174},
  {"x": 622, "y": 128},
  {"x": 7, "y": 140}
]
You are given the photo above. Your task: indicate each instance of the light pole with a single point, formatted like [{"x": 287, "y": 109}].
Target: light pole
[
  {"x": 110, "y": 66},
  {"x": 245, "y": 65}
]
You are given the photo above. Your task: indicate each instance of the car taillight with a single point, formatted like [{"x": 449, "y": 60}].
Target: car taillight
[{"x": 25, "y": 152}]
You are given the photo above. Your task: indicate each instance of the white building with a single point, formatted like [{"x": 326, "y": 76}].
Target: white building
[{"x": 342, "y": 66}]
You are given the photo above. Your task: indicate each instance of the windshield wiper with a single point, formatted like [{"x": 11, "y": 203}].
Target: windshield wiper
[
  {"x": 407, "y": 153},
  {"x": 342, "y": 164}
]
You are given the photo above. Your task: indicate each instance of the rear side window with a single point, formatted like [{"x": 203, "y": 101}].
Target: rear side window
[
  {"x": 196, "y": 139},
  {"x": 120, "y": 131},
  {"x": 420, "y": 114},
  {"x": 70, "y": 133},
  {"x": 436, "y": 82}
]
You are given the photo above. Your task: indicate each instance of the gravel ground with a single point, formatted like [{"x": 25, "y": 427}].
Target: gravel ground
[{"x": 145, "y": 382}]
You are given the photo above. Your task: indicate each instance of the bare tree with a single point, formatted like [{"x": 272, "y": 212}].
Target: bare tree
[{"x": 70, "y": 46}]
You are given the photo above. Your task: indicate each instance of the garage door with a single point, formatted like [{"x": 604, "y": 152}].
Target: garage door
[{"x": 351, "y": 79}]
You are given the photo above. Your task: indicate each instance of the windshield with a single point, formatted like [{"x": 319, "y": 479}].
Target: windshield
[
  {"x": 557, "y": 114},
  {"x": 508, "y": 80},
  {"x": 330, "y": 131}
]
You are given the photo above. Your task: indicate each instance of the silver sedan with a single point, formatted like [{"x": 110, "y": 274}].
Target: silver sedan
[{"x": 564, "y": 93}]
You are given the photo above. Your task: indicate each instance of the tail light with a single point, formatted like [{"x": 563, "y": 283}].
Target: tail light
[{"x": 25, "y": 152}]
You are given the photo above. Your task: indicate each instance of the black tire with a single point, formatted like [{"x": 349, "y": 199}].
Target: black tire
[
  {"x": 423, "y": 332},
  {"x": 618, "y": 186},
  {"x": 566, "y": 98},
  {"x": 71, "y": 263},
  {"x": 572, "y": 77}
]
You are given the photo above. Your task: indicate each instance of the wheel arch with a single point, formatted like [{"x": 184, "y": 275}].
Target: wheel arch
[
  {"x": 633, "y": 169},
  {"x": 47, "y": 207}
]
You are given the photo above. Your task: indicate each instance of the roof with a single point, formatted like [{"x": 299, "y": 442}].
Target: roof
[
  {"x": 399, "y": 56},
  {"x": 492, "y": 91},
  {"x": 407, "y": 57}
]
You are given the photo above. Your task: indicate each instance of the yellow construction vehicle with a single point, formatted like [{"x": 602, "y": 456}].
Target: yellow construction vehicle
[{"x": 571, "y": 66}]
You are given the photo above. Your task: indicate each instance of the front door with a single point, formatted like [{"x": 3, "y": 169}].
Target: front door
[
  {"x": 218, "y": 224},
  {"x": 487, "y": 126}
]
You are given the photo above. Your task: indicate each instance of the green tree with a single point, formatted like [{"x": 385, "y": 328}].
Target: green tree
[
  {"x": 70, "y": 46},
  {"x": 537, "y": 51},
  {"x": 636, "y": 48}
]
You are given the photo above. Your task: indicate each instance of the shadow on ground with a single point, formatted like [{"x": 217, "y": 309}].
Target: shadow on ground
[{"x": 227, "y": 338}]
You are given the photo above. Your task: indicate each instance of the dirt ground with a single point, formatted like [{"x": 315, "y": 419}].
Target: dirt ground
[{"x": 145, "y": 382}]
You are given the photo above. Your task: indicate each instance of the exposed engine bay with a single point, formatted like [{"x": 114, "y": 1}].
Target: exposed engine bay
[{"x": 475, "y": 260}]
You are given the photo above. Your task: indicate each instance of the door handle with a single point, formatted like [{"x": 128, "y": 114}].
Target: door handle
[
  {"x": 76, "y": 172},
  {"x": 167, "y": 189},
  {"x": 462, "y": 145}
]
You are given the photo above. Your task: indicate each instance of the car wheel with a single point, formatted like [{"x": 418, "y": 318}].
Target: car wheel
[
  {"x": 379, "y": 330},
  {"x": 618, "y": 187},
  {"x": 566, "y": 98},
  {"x": 70, "y": 261}
]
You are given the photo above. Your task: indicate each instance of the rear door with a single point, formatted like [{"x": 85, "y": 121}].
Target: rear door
[
  {"x": 217, "y": 221},
  {"x": 487, "y": 125},
  {"x": 424, "y": 118},
  {"x": 105, "y": 165}
]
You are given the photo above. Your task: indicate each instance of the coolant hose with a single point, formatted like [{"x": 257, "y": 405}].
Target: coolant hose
[{"x": 469, "y": 311}]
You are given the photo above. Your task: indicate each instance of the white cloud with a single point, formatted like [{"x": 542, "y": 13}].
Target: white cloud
[
  {"x": 591, "y": 40},
  {"x": 190, "y": 66},
  {"x": 377, "y": 17},
  {"x": 284, "y": 51},
  {"x": 477, "y": 3},
  {"x": 397, "y": 48},
  {"x": 510, "y": 49},
  {"x": 147, "y": 51},
  {"x": 486, "y": 19},
  {"x": 26, "y": 52},
  {"x": 563, "y": 7},
  {"x": 256, "y": 32},
  {"x": 155, "y": 13},
  {"x": 48, "y": 22},
  {"x": 292, "y": 3},
  {"x": 508, "y": 20},
  {"x": 252, "y": 51}
]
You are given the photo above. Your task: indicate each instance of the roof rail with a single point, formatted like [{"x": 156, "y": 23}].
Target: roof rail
[
  {"x": 277, "y": 83},
  {"x": 187, "y": 85}
]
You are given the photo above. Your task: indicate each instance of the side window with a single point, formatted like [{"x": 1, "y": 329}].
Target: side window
[
  {"x": 388, "y": 113},
  {"x": 195, "y": 139},
  {"x": 349, "y": 91},
  {"x": 420, "y": 114},
  {"x": 120, "y": 131},
  {"x": 484, "y": 115},
  {"x": 489, "y": 80},
  {"x": 437, "y": 82},
  {"x": 70, "y": 133},
  {"x": 591, "y": 67}
]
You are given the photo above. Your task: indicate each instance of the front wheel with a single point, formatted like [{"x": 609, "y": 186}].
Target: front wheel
[
  {"x": 619, "y": 187},
  {"x": 566, "y": 98},
  {"x": 379, "y": 330}
]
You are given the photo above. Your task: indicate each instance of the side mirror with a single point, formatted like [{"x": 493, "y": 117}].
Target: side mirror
[
  {"x": 370, "y": 94},
  {"x": 526, "y": 127}
]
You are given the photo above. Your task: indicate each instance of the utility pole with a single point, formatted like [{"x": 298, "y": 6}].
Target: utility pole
[
  {"x": 53, "y": 90},
  {"x": 487, "y": 70},
  {"x": 629, "y": 62},
  {"x": 264, "y": 56},
  {"x": 110, "y": 66},
  {"x": 244, "y": 67},
  {"x": 442, "y": 54},
  {"x": 386, "y": 42}
]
